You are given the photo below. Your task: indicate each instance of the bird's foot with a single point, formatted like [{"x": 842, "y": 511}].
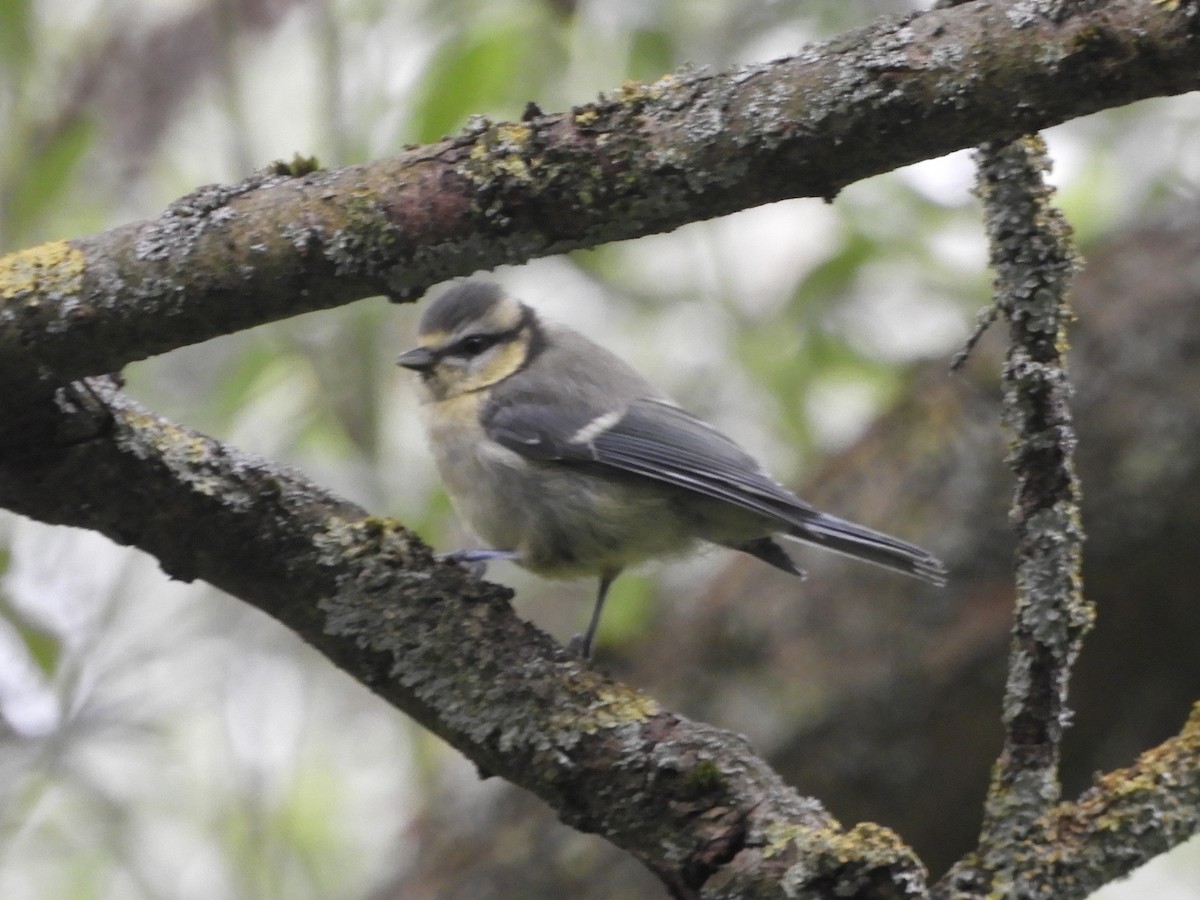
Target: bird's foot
[
  {"x": 580, "y": 646},
  {"x": 475, "y": 561}
]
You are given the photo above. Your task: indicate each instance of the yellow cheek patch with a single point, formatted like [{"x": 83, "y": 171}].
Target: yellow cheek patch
[
  {"x": 450, "y": 377},
  {"x": 509, "y": 359}
]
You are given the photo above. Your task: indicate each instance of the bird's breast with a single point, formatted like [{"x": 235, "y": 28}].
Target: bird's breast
[{"x": 563, "y": 519}]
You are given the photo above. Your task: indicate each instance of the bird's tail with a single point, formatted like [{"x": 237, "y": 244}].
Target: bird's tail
[{"x": 870, "y": 546}]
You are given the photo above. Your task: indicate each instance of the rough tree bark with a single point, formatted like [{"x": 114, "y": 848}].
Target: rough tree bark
[{"x": 691, "y": 802}]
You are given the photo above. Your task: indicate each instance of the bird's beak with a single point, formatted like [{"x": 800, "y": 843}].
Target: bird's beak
[{"x": 419, "y": 359}]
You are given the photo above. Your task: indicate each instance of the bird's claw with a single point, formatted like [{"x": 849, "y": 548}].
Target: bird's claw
[
  {"x": 475, "y": 561},
  {"x": 579, "y": 646}
]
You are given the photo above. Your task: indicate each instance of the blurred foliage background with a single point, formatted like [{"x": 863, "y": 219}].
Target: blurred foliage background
[{"x": 157, "y": 739}]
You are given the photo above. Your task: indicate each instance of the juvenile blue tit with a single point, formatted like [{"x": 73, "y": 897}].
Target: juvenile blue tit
[{"x": 568, "y": 462}]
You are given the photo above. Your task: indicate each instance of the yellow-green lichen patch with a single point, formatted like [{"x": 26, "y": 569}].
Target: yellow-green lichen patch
[
  {"x": 504, "y": 151},
  {"x": 783, "y": 837},
  {"x": 849, "y": 856},
  {"x": 865, "y": 842},
  {"x": 513, "y": 136},
  {"x": 586, "y": 117},
  {"x": 618, "y": 705},
  {"x": 48, "y": 270},
  {"x": 636, "y": 92},
  {"x": 614, "y": 705}
]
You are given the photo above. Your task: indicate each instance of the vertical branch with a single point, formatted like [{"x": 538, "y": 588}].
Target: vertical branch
[{"x": 1034, "y": 260}]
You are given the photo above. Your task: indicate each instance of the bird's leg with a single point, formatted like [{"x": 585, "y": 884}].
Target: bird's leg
[
  {"x": 582, "y": 644},
  {"x": 475, "y": 561}
]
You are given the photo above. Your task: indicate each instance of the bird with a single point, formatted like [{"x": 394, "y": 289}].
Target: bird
[{"x": 567, "y": 461}]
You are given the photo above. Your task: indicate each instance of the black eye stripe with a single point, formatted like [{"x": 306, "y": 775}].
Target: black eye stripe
[{"x": 475, "y": 344}]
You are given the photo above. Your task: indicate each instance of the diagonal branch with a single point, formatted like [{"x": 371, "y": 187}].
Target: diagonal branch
[
  {"x": 691, "y": 801},
  {"x": 1128, "y": 817},
  {"x": 646, "y": 159},
  {"x": 1125, "y": 820}
]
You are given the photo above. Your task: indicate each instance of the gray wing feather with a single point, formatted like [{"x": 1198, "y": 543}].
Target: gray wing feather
[
  {"x": 655, "y": 439},
  {"x": 663, "y": 442}
]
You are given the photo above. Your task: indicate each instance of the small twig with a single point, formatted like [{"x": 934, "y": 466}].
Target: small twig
[
  {"x": 1034, "y": 260},
  {"x": 983, "y": 321}
]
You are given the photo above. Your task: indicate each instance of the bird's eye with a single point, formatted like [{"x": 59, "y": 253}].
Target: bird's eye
[{"x": 475, "y": 344}]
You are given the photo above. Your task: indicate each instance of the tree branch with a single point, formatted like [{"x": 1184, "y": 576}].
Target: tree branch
[
  {"x": 692, "y": 802},
  {"x": 647, "y": 159},
  {"x": 1129, "y": 817},
  {"x": 1034, "y": 260}
]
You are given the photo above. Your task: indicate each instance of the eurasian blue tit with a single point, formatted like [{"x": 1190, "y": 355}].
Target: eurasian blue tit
[{"x": 569, "y": 463}]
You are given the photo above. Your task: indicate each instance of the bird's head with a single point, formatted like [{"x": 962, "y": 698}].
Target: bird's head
[{"x": 471, "y": 337}]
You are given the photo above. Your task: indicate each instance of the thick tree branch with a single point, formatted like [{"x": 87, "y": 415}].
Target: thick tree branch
[
  {"x": 647, "y": 159},
  {"x": 689, "y": 800}
]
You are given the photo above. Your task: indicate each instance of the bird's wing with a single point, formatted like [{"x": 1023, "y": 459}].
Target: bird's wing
[
  {"x": 655, "y": 439},
  {"x": 651, "y": 438}
]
